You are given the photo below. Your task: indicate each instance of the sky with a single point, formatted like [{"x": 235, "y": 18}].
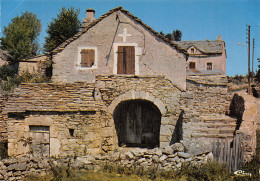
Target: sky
[{"x": 197, "y": 19}]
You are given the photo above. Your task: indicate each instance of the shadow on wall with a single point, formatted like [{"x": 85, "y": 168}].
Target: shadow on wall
[
  {"x": 237, "y": 108},
  {"x": 178, "y": 132}
]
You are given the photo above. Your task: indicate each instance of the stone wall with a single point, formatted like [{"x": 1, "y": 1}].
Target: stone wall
[
  {"x": 88, "y": 110},
  {"x": 206, "y": 105},
  {"x": 170, "y": 158},
  {"x": 160, "y": 91},
  {"x": 196, "y": 116},
  {"x": 3, "y": 126},
  {"x": 246, "y": 112}
]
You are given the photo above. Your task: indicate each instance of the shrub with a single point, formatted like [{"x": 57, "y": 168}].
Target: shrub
[{"x": 6, "y": 71}]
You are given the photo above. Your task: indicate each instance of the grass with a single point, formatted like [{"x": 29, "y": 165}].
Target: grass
[
  {"x": 113, "y": 172},
  {"x": 210, "y": 171}
]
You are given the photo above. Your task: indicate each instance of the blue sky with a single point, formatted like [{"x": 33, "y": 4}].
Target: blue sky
[{"x": 197, "y": 19}]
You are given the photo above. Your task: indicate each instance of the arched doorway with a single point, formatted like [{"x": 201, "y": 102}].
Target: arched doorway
[{"x": 137, "y": 123}]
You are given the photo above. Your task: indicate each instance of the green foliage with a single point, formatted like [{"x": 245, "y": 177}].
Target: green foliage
[
  {"x": 61, "y": 28},
  {"x": 209, "y": 171},
  {"x": 237, "y": 79},
  {"x": 9, "y": 80},
  {"x": 175, "y": 36},
  {"x": 253, "y": 166},
  {"x": 20, "y": 36},
  {"x": 6, "y": 71}
]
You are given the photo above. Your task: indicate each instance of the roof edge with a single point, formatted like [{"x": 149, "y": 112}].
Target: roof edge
[{"x": 76, "y": 36}]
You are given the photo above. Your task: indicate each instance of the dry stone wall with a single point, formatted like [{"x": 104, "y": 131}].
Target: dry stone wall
[
  {"x": 169, "y": 158},
  {"x": 3, "y": 127},
  {"x": 196, "y": 116},
  {"x": 206, "y": 103},
  {"x": 157, "y": 89}
]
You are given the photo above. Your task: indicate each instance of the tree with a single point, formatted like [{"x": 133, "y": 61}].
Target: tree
[
  {"x": 20, "y": 36},
  {"x": 64, "y": 26},
  {"x": 176, "y": 35},
  {"x": 258, "y": 72}
]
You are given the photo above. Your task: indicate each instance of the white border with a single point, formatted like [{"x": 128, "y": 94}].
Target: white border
[
  {"x": 95, "y": 66},
  {"x": 137, "y": 54}
]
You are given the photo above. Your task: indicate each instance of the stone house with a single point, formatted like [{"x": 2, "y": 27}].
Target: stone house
[
  {"x": 117, "y": 83},
  {"x": 205, "y": 57},
  {"x": 33, "y": 65}
]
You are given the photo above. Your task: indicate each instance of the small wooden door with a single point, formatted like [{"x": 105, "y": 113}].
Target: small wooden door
[
  {"x": 126, "y": 60},
  {"x": 40, "y": 146}
]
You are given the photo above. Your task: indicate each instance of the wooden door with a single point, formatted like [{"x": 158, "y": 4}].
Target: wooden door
[
  {"x": 40, "y": 146},
  {"x": 126, "y": 60},
  {"x": 137, "y": 123}
]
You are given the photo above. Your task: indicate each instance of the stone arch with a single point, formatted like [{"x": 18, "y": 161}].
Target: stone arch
[
  {"x": 137, "y": 123},
  {"x": 131, "y": 95}
]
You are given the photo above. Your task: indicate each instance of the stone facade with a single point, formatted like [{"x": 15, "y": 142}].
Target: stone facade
[
  {"x": 3, "y": 117},
  {"x": 88, "y": 110},
  {"x": 207, "y": 57},
  {"x": 206, "y": 106},
  {"x": 33, "y": 65},
  {"x": 154, "y": 55}
]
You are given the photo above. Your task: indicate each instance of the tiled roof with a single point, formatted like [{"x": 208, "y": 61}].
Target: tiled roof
[
  {"x": 35, "y": 58},
  {"x": 52, "y": 97},
  {"x": 204, "y": 72},
  {"x": 84, "y": 30},
  {"x": 207, "y": 46}
]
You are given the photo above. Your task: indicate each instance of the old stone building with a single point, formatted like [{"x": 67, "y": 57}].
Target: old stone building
[
  {"x": 33, "y": 65},
  {"x": 205, "y": 57},
  {"x": 117, "y": 83}
]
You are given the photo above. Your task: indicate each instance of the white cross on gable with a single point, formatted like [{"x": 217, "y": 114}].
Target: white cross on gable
[{"x": 124, "y": 35}]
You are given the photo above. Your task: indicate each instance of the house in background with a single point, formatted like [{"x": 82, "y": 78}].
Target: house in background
[
  {"x": 205, "y": 57},
  {"x": 33, "y": 65}
]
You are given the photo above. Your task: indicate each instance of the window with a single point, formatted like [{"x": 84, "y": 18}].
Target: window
[
  {"x": 126, "y": 60},
  {"x": 192, "y": 65},
  {"x": 209, "y": 66},
  {"x": 192, "y": 50},
  {"x": 71, "y": 131},
  {"x": 39, "y": 128},
  {"x": 87, "y": 57}
]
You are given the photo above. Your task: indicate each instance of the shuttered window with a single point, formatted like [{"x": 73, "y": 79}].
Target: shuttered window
[
  {"x": 192, "y": 65},
  {"x": 126, "y": 60},
  {"x": 87, "y": 57}
]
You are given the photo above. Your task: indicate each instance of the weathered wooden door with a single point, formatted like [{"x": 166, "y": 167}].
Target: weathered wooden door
[
  {"x": 126, "y": 60},
  {"x": 40, "y": 146},
  {"x": 137, "y": 123}
]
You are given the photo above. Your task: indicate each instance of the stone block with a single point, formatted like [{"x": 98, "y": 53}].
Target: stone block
[
  {"x": 54, "y": 147},
  {"x": 17, "y": 167}
]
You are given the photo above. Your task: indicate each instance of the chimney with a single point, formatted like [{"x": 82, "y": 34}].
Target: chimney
[
  {"x": 219, "y": 38},
  {"x": 90, "y": 17}
]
